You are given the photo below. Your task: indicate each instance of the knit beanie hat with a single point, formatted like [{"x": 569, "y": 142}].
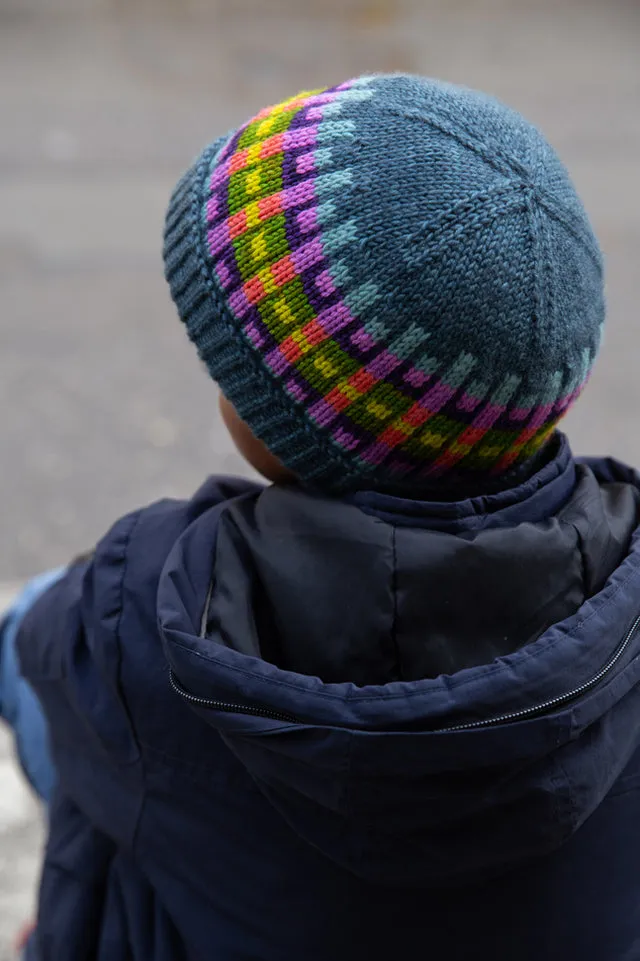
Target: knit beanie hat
[{"x": 392, "y": 280}]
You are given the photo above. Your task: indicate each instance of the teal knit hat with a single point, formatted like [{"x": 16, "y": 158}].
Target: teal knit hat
[{"x": 392, "y": 280}]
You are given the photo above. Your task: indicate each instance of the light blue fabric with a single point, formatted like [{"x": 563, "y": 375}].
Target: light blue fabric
[{"x": 19, "y": 706}]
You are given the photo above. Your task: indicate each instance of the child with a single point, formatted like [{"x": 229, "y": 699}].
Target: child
[{"x": 387, "y": 706}]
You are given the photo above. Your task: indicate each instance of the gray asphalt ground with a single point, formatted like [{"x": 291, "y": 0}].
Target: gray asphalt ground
[{"x": 102, "y": 104}]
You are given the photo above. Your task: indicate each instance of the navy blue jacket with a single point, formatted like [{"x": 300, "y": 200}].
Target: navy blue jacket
[{"x": 291, "y": 727}]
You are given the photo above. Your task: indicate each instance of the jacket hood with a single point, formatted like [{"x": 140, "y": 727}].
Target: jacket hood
[{"x": 428, "y": 693}]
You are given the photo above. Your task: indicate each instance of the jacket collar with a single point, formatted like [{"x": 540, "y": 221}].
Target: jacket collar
[{"x": 540, "y": 496}]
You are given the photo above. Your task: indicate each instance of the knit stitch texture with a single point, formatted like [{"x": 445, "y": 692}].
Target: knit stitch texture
[{"x": 393, "y": 281}]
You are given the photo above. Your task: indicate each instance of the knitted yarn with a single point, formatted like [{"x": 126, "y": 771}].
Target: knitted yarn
[{"x": 392, "y": 280}]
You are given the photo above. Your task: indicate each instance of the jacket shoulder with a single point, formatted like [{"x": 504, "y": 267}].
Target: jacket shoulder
[
  {"x": 84, "y": 611},
  {"x": 129, "y": 559},
  {"x": 122, "y": 607}
]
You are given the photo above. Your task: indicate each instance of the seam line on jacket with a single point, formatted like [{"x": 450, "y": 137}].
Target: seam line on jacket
[{"x": 394, "y": 614}]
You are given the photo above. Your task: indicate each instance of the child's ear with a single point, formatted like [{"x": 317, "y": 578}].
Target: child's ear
[{"x": 252, "y": 449}]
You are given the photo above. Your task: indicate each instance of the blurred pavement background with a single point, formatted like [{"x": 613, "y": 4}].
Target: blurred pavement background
[{"x": 102, "y": 103}]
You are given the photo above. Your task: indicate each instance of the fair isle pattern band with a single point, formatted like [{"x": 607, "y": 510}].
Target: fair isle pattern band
[{"x": 280, "y": 239}]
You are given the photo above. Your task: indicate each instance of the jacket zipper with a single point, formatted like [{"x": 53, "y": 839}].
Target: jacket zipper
[
  {"x": 226, "y": 706},
  {"x": 536, "y": 710},
  {"x": 547, "y": 707}
]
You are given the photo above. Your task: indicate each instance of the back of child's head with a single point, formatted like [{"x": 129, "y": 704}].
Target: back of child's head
[{"x": 393, "y": 281}]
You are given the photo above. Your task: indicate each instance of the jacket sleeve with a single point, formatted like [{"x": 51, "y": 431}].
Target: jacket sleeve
[{"x": 69, "y": 652}]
